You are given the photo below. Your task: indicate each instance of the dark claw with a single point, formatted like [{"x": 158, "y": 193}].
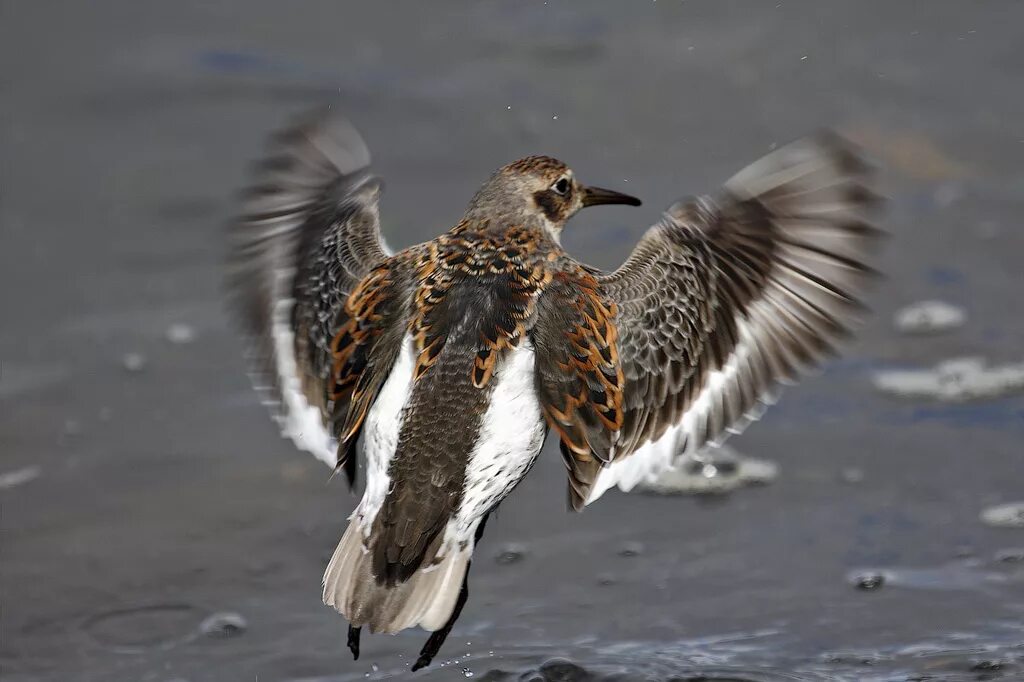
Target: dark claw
[
  {"x": 353, "y": 641},
  {"x": 423, "y": 661},
  {"x": 436, "y": 639},
  {"x": 432, "y": 646}
]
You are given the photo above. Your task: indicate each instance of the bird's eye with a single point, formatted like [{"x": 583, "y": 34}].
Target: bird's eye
[{"x": 561, "y": 187}]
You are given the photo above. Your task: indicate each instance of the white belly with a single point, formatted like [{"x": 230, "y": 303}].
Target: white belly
[
  {"x": 380, "y": 434},
  {"x": 511, "y": 434}
]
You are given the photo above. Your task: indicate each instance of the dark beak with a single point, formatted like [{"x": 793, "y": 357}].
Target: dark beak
[{"x": 594, "y": 196}]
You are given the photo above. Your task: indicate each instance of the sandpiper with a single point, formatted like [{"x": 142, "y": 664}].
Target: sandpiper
[{"x": 450, "y": 361}]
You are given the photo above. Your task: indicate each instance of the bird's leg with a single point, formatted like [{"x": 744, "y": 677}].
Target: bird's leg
[
  {"x": 353, "y": 641},
  {"x": 436, "y": 639}
]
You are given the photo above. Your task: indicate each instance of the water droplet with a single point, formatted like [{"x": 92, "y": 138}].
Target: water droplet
[
  {"x": 868, "y": 581},
  {"x": 223, "y": 624},
  {"x": 555, "y": 117},
  {"x": 467, "y": 672},
  {"x": 374, "y": 668},
  {"x": 180, "y": 333}
]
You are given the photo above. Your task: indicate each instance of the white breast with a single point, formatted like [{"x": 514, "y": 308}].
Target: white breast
[
  {"x": 380, "y": 433},
  {"x": 511, "y": 434}
]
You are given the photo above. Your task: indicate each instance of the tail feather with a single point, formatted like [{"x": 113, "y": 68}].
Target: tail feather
[{"x": 426, "y": 599}]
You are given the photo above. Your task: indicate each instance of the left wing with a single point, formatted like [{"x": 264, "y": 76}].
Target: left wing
[
  {"x": 720, "y": 303},
  {"x": 309, "y": 233}
]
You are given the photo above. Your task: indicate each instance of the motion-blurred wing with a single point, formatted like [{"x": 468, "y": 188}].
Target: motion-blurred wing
[
  {"x": 308, "y": 234},
  {"x": 723, "y": 300}
]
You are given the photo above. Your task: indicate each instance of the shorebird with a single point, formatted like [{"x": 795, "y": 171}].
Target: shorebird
[{"x": 450, "y": 362}]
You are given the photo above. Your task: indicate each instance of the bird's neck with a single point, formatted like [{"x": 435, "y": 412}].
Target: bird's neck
[{"x": 501, "y": 226}]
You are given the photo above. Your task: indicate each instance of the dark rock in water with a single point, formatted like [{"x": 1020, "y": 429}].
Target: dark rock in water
[
  {"x": 510, "y": 554},
  {"x": 850, "y": 658},
  {"x": 1010, "y": 556},
  {"x": 987, "y": 666},
  {"x": 223, "y": 624},
  {"x": 497, "y": 676},
  {"x": 560, "y": 670},
  {"x": 869, "y": 581}
]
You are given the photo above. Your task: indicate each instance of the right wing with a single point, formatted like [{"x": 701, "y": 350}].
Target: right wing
[
  {"x": 308, "y": 235},
  {"x": 718, "y": 304}
]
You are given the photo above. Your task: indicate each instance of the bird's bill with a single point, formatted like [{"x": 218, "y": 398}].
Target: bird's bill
[{"x": 595, "y": 196}]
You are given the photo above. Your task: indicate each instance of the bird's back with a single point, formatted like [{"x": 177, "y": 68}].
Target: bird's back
[
  {"x": 470, "y": 317},
  {"x": 455, "y": 426}
]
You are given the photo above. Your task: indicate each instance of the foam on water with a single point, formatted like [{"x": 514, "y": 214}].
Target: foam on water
[
  {"x": 1009, "y": 515},
  {"x": 712, "y": 471},
  {"x": 955, "y": 380},
  {"x": 929, "y": 317},
  {"x": 13, "y": 479}
]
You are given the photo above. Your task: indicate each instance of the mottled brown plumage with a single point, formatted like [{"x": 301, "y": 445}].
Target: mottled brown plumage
[
  {"x": 515, "y": 267},
  {"x": 450, "y": 360}
]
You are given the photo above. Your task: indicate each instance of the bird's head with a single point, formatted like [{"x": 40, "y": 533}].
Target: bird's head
[{"x": 539, "y": 191}]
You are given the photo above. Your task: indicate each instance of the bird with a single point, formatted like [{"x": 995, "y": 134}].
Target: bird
[{"x": 446, "y": 365}]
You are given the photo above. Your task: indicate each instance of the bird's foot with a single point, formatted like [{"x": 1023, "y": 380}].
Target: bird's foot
[
  {"x": 431, "y": 648},
  {"x": 353, "y": 641}
]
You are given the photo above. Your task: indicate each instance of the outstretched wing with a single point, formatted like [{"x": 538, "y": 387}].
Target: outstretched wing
[
  {"x": 308, "y": 235},
  {"x": 725, "y": 299}
]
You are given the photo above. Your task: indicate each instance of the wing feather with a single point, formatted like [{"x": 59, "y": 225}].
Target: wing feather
[
  {"x": 308, "y": 234},
  {"x": 724, "y": 301}
]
